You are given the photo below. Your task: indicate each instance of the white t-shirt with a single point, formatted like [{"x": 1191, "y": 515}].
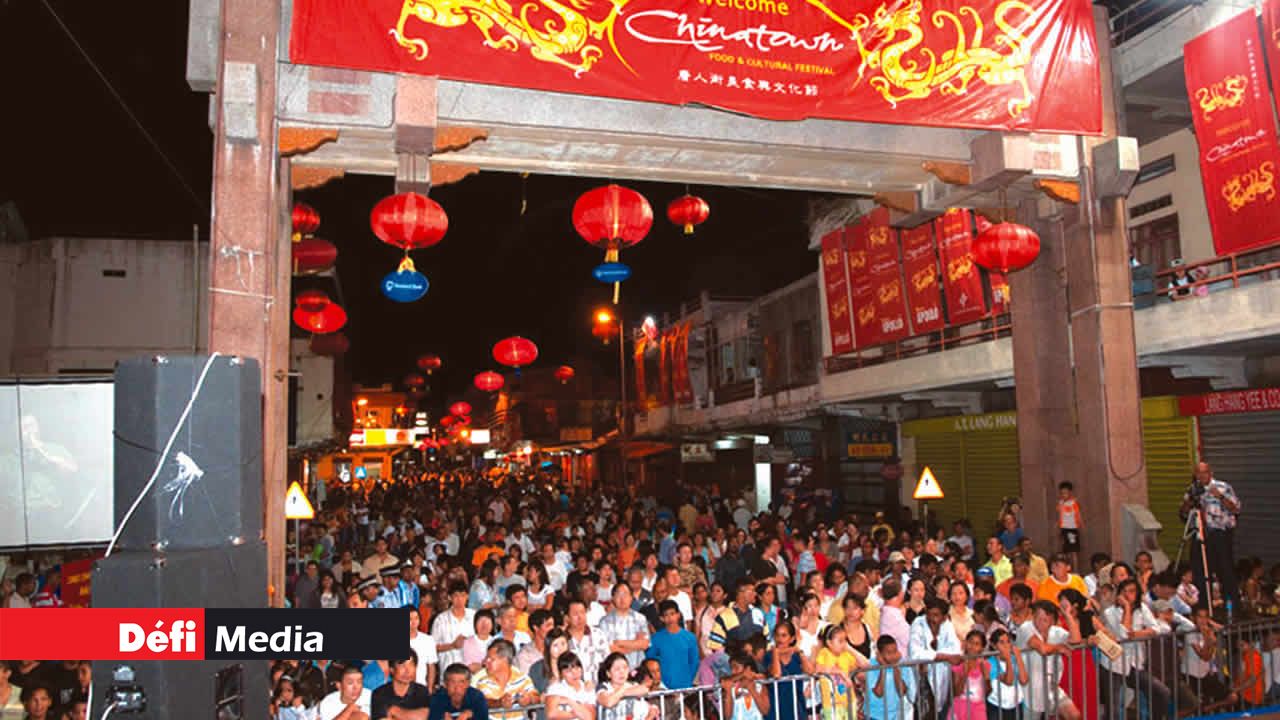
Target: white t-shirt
[
  {"x": 425, "y": 646},
  {"x": 586, "y": 696},
  {"x": 18, "y": 601},
  {"x": 685, "y": 604},
  {"x": 1041, "y": 669},
  {"x": 332, "y": 706}
]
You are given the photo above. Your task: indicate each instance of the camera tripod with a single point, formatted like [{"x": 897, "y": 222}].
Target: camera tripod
[{"x": 1194, "y": 529}]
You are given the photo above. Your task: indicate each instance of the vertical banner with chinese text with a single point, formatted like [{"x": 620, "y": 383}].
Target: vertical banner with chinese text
[
  {"x": 1239, "y": 156},
  {"x": 862, "y": 305},
  {"x": 920, "y": 267},
  {"x": 1271, "y": 41},
  {"x": 835, "y": 281},
  {"x": 684, "y": 388},
  {"x": 961, "y": 279},
  {"x": 885, "y": 266}
]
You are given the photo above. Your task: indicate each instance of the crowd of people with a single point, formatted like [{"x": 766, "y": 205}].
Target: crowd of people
[
  {"x": 527, "y": 598},
  {"x": 532, "y": 601}
]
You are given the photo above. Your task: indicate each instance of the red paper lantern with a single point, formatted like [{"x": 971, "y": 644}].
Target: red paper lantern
[
  {"x": 564, "y": 374},
  {"x": 305, "y": 219},
  {"x": 329, "y": 319},
  {"x": 460, "y": 408},
  {"x": 515, "y": 352},
  {"x": 612, "y": 217},
  {"x": 429, "y": 363},
  {"x": 1006, "y": 247},
  {"x": 330, "y": 345},
  {"x": 490, "y": 381},
  {"x": 464, "y": 420},
  {"x": 688, "y": 210},
  {"x": 409, "y": 221},
  {"x": 312, "y": 301},
  {"x": 414, "y": 380},
  {"x": 605, "y": 331},
  {"x": 447, "y": 420},
  {"x": 313, "y": 255}
]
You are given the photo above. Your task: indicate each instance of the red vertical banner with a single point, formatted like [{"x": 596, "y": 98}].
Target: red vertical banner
[
  {"x": 885, "y": 265},
  {"x": 664, "y": 369},
  {"x": 862, "y": 286},
  {"x": 961, "y": 279},
  {"x": 1239, "y": 156},
  {"x": 1271, "y": 41},
  {"x": 835, "y": 280},
  {"x": 642, "y": 392},
  {"x": 920, "y": 267},
  {"x": 683, "y": 387},
  {"x": 76, "y": 582}
]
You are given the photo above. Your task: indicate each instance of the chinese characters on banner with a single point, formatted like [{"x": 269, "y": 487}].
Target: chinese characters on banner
[
  {"x": 1026, "y": 65},
  {"x": 862, "y": 286},
  {"x": 683, "y": 386},
  {"x": 1239, "y": 156},
  {"x": 835, "y": 281},
  {"x": 885, "y": 268},
  {"x": 961, "y": 278},
  {"x": 920, "y": 267}
]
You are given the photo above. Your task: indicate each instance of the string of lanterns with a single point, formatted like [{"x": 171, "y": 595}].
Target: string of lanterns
[{"x": 310, "y": 254}]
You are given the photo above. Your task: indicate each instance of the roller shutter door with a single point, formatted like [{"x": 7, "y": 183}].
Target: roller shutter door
[
  {"x": 944, "y": 454},
  {"x": 991, "y": 473},
  {"x": 1244, "y": 451},
  {"x": 1168, "y": 444}
]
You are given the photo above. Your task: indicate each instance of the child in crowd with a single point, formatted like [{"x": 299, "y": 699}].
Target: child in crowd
[{"x": 1070, "y": 522}]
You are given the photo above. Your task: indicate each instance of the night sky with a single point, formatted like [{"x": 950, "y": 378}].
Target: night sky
[{"x": 75, "y": 164}]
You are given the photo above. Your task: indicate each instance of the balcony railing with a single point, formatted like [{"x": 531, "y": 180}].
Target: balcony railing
[
  {"x": 1212, "y": 275},
  {"x": 990, "y": 328}
]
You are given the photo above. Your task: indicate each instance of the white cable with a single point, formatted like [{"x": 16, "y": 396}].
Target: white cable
[
  {"x": 164, "y": 454},
  {"x": 110, "y": 709}
]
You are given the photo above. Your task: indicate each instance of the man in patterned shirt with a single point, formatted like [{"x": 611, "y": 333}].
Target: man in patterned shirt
[
  {"x": 591, "y": 647},
  {"x": 1220, "y": 509},
  {"x": 626, "y": 629},
  {"x": 502, "y": 683}
]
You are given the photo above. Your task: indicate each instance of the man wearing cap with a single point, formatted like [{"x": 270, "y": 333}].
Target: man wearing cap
[
  {"x": 898, "y": 567},
  {"x": 390, "y": 595},
  {"x": 997, "y": 561},
  {"x": 370, "y": 589}
]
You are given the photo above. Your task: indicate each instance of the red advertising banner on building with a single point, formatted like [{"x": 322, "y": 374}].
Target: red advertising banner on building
[
  {"x": 885, "y": 266},
  {"x": 835, "y": 280},
  {"x": 998, "y": 282},
  {"x": 1271, "y": 41},
  {"x": 642, "y": 390},
  {"x": 961, "y": 279},
  {"x": 680, "y": 379},
  {"x": 920, "y": 268},
  {"x": 76, "y": 580},
  {"x": 1239, "y": 156},
  {"x": 1236, "y": 401},
  {"x": 862, "y": 286},
  {"x": 990, "y": 64}
]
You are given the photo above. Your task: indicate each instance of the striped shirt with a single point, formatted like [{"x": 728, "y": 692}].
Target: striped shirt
[
  {"x": 629, "y": 626},
  {"x": 518, "y": 684},
  {"x": 734, "y": 624}
]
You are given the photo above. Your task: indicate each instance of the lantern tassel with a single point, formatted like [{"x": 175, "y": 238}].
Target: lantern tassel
[
  {"x": 406, "y": 265},
  {"x": 688, "y": 228},
  {"x": 611, "y": 254}
]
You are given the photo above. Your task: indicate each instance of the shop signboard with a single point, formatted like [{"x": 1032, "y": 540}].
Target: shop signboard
[
  {"x": 1024, "y": 65},
  {"x": 1235, "y": 401},
  {"x": 697, "y": 453}
]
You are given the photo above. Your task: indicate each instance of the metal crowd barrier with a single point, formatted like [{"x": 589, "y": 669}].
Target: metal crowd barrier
[{"x": 1154, "y": 678}]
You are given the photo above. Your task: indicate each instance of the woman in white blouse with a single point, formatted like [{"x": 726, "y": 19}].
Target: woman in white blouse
[{"x": 572, "y": 697}]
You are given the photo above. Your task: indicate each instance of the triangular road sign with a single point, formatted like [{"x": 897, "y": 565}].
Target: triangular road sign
[
  {"x": 927, "y": 488},
  {"x": 296, "y": 504}
]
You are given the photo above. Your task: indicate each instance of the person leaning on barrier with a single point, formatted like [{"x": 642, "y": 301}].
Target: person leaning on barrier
[
  {"x": 456, "y": 699},
  {"x": 891, "y": 690},
  {"x": 744, "y": 695}
]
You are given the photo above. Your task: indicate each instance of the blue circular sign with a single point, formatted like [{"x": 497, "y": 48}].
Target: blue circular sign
[
  {"x": 611, "y": 272},
  {"x": 405, "y": 286}
]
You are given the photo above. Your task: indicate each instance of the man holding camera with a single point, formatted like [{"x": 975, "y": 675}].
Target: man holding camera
[{"x": 1219, "y": 509}]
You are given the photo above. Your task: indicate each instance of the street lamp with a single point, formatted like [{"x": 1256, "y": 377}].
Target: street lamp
[{"x": 609, "y": 321}]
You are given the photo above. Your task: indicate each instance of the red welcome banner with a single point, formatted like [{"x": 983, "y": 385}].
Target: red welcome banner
[
  {"x": 993, "y": 64},
  {"x": 835, "y": 281},
  {"x": 885, "y": 267},
  {"x": 1271, "y": 41},
  {"x": 1239, "y": 156},
  {"x": 920, "y": 267},
  {"x": 961, "y": 278}
]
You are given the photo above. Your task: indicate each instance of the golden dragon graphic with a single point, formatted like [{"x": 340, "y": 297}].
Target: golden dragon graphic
[
  {"x": 888, "y": 293},
  {"x": 886, "y": 38},
  {"x": 1226, "y": 93},
  {"x": 866, "y": 314},
  {"x": 923, "y": 279},
  {"x": 555, "y": 31},
  {"x": 858, "y": 260},
  {"x": 1245, "y": 188},
  {"x": 960, "y": 267},
  {"x": 878, "y": 236}
]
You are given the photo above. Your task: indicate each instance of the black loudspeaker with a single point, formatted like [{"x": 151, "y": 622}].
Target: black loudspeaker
[
  {"x": 227, "y": 577},
  {"x": 208, "y": 492}
]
